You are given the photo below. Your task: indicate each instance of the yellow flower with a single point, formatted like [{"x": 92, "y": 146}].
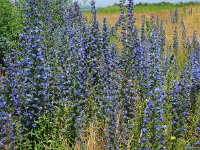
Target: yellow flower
[{"x": 173, "y": 137}]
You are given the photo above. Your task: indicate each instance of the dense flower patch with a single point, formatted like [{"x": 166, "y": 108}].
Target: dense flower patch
[{"x": 66, "y": 77}]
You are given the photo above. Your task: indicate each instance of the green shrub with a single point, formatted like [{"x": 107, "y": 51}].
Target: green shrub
[{"x": 11, "y": 21}]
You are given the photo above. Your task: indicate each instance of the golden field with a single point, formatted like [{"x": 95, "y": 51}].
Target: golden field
[
  {"x": 191, "y": 20},
  {"x": 189, "y": 14}
]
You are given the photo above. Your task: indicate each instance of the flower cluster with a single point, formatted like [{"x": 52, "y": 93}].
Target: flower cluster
[{"x": 66, "y": 69}]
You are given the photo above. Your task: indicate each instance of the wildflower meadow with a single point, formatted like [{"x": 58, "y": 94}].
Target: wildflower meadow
[{"x": 66, "y": 85}]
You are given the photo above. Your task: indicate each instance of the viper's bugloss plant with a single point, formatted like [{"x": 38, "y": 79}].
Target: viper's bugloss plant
[
  {"x": 8, "y": 98},
  {"x": 175, "y": 41},
  {"x": 68, "y": 86}
]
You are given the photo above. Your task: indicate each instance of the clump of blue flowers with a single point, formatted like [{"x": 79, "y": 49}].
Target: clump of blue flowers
[{"x": 67, "y": 82}]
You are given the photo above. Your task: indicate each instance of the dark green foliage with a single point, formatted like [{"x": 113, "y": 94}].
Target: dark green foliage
[{"x": 10, "y": 21}]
